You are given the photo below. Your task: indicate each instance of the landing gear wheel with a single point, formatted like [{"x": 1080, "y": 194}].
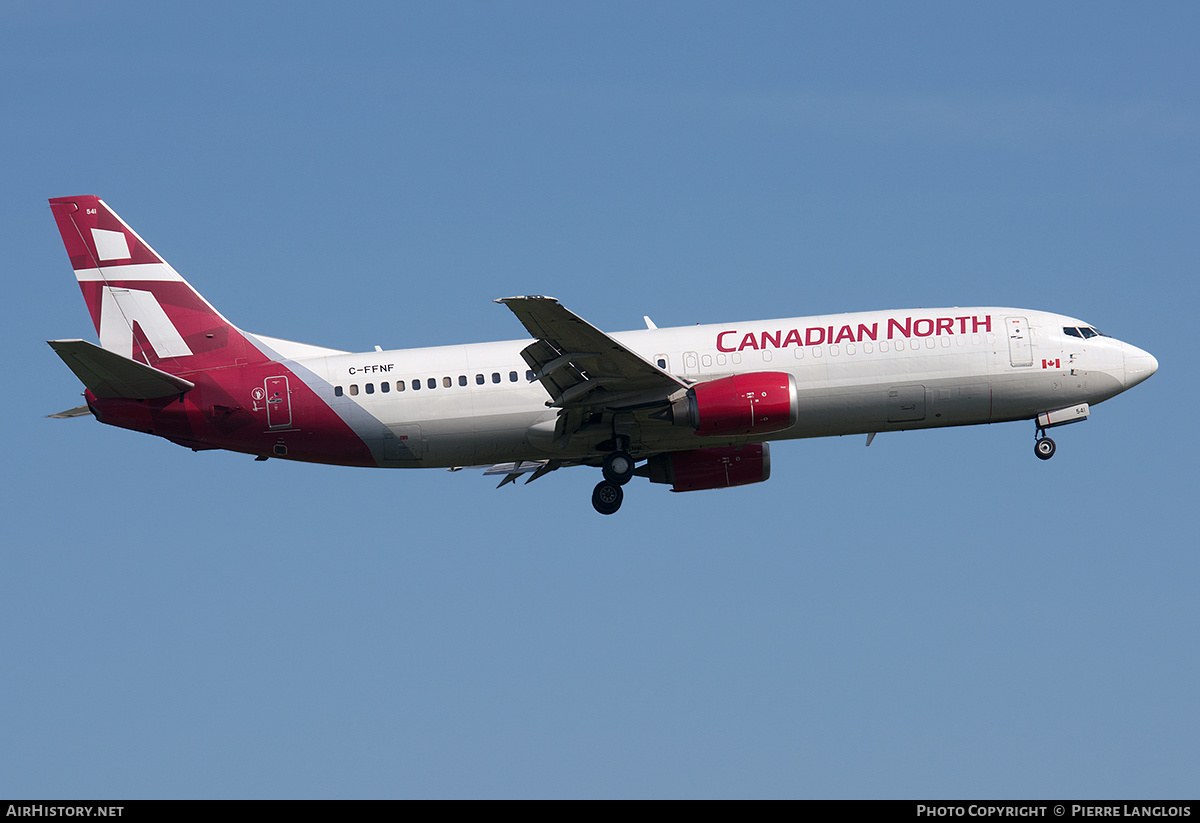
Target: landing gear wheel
[
  {"x": 1044, "y": 448},
  {"x": 607, "y": 497},
  {"x": 618, "y": 467}
]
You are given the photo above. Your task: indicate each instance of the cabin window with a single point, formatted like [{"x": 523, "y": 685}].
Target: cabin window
[
  {"x": 529, "y": 375},
  {"x": 720, "y": 360},
  {"x": 512, "y": 377},
  {"x": 462, "y": 380},
  {"x": 834, "y": 351},
  {"x": 816, "y": 351},
  {"x": 495, "y": 377},
  {"x": 799, "y": 352},
  {"x": 385, "y": 387},
  {"x": 431, "y": 382},
  {"x": 416, "y": 385},
  {"x": 400, "y": 385},
  {"x": 337, "y": 391},
  {"x": 370, "y": 388},
  {"x": 479, "y": 380},
  {"x": 850, "y": 348},
  {"x": 766, "y": 355},
  {"x": 945, "y": 342},
  {"x": 706, "y": 360},
  {"x": 662, "y": 362},
  {"x": 447, "y": 382},
  {"x": 883, "y": 345},
  {"x": 353, "y": 389}
]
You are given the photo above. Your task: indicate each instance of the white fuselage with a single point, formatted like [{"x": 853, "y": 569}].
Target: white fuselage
[{"x": 855, "y": 373}]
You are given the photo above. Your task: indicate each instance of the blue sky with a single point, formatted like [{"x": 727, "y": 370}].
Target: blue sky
[{"x": 941, "y": 615}]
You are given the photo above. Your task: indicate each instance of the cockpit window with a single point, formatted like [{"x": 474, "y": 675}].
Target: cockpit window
[
  {"x": 1071, "y": 331},
  {"x": 1088, "y": 332}
]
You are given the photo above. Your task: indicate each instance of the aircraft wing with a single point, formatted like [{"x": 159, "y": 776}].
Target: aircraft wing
[
  {"x": 108, "y": 374},
  {"x": 582, "y": 367}
]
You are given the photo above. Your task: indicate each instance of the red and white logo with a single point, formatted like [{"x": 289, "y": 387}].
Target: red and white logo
[{"x": 1050, "y": 364}]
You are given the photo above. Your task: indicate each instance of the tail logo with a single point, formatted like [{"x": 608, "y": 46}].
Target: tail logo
[
  {"x": 121, "y": 308},
  {"x": 111, "y": 245}
]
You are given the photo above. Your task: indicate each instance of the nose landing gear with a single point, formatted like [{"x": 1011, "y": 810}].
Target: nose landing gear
[{"x": 1044, "y": 447}]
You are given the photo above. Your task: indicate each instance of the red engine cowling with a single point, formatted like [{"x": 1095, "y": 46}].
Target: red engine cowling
[
  {"x": 716, "y": 468},
  {"x": 755, "y": 403}
]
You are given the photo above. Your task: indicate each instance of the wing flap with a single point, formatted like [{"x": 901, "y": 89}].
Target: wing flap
[{"x": 111, "y": 375}]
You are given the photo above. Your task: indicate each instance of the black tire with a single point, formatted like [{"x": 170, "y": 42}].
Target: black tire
[
  {"x": 618, "y": 467},
  {"x": 1044, "y": 448},
  {"x": 607, "y": 497}
]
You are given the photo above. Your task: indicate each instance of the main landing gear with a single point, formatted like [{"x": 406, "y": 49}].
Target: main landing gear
[
  {"x": 618, "y": 469},
  {"x": 607, "y": 497}
]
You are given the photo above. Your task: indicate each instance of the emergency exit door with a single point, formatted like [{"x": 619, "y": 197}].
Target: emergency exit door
[{"x": 1020, "y": 350}]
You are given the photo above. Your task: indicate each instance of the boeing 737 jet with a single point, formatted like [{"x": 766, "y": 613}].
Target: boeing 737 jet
[{"x": 692, "y": 407}]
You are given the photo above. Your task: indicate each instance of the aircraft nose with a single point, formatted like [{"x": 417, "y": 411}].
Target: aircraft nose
[{"x": 1139, "y": 365}]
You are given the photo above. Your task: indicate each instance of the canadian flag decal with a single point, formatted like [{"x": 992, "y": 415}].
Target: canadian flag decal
[{"x": 1050, "y": 364}]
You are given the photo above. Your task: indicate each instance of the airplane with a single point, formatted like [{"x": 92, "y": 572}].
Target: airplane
[{"x": 693, "y": 407}]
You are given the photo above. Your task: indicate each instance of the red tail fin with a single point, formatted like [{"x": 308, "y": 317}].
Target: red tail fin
[{"x": 141, "y": 307}]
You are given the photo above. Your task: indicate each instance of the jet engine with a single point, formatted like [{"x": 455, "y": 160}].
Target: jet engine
[
  {"x": 716, "y": 468},
  {"x": 754, "y": 403}
]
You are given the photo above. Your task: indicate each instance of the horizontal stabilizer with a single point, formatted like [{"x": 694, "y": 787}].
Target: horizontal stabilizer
[
  {"x": 78, "y": 411},
  {"x": 111, "y": 375}
]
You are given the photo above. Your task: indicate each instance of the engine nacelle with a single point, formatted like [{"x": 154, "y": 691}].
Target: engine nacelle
[
  {"x": 755, "y": 403},
  {"x": 716, "y": 468}
]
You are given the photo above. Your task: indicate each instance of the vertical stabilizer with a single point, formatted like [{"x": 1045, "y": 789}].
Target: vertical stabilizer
[{"x": 141, "y": 307}]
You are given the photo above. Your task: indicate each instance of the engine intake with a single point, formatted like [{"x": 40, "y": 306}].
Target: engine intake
[{"x": 755, "y": 403}]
